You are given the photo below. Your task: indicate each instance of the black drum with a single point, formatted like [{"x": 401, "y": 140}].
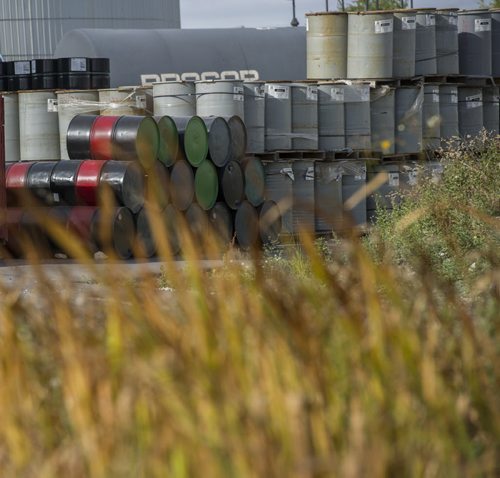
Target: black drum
[
  {"x": 63, "y": 181},
  {"x": 232, "y": 184},
  {"x": 39, "y": 182},
  {"x": 78, "y": 136},
  {"x": 126, "y": 179},
  {"x": 44, "y": 74}
]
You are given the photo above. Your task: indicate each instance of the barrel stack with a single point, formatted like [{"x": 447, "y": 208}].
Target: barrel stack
[
  {"x": 193, "y": 169},
  {"x": 385, "y": 92}
]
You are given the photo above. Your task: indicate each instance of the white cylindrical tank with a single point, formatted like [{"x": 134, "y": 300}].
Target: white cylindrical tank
[
  {"x": 38, "y": 128},
  {"x": 220, "y": 98},
  {"x": 175, "y": 98},
  {"x": 11, "y": 127},
  {"x": 70, "y": 104},
  {"x": 32, "y": 29}
]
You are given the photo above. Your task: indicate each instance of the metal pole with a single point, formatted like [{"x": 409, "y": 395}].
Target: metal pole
[
  {"x": 377, "y": 4},
  {"x": 294, "y": 22},
  {"x": 327, "y": 5},
  {"x": 367, "y": 5}
]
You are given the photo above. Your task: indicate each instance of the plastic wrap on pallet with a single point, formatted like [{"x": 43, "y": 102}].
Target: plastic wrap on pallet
[
  {"x": 382, "y": 119},
  {"x": 357, "y": 169},
  {"x": 409, "y": 120},
  {"x": 140, "y": 105},
  {"x": 278, "y": 133}
]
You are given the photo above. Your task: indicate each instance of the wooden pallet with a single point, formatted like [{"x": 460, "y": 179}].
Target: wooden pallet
[
  {"x": 379, "y": 156},
  {"x": 291, "y": 155},
  {"x": 343, "y": 155},
  {"x": 416, "y": 80},
  {"x": 459, "y": 80},
  {"x": 374, "y": 82},
  {"x": 421, "y": 156},
  {"x": 349, "y": 154}
]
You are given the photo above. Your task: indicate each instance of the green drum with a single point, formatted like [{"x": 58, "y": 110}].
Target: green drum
[
  {"x": 196, "y": 141},
  {"x": 169, "y": 140},
  {"x": 206, "y": 185},
  {"x": 255, "y": 180}
]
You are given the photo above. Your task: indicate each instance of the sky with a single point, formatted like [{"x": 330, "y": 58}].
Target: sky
[{"x": 270, "y": 13}]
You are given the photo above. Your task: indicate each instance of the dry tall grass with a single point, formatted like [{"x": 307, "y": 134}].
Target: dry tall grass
[{"x": 262, "y": 368}]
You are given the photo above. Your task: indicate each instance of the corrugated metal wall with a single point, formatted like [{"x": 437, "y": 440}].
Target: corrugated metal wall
[{"x": 33, "y": 28}]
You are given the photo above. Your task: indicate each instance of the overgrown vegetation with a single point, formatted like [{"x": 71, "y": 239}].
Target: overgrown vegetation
[
  {"x": 450, "y": 223},
  {"x": 341, "y": 361},
  {"x": 372, "y": 5},
  {"x": 489, "y": 3}
]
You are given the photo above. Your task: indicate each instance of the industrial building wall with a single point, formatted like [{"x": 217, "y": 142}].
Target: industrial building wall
[{"x": 33, "y": 28}]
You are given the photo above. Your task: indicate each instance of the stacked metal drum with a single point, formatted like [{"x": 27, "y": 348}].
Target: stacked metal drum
[
  {"x": 187, "y": 168},
  {"x": 430, "y": 76},
  {"x": 58, "y": 73},
  {"x": 252, "y": 159}
]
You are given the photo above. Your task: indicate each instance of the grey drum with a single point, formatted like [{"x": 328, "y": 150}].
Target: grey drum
[
  {"x": 495, "y": 42},
  {"x": 357, "y": 116},
  {"x": 304, "y": 116},
  {"x": 354, "y": 194},
  {"x": 255, "y": 115},
  {"x": 470, "y": 110},
  {"x": 385, "y": 195},
  {"x": 431, "y": 131},
  {"x": 175, "y": 98},
  {"x": 448, "y": 111},
  {"x": 382, "y": 121},
  {"x": 331, "y": 124},
  {"x": 474, "y": 42},
  {"x": 409, "y": 119},
  {"x": 327, "y": 197},
  {"x": 220, "y": 98},
  {"x": 370, "y": 45},
  {"x": 447, "y": 42},
  {"x": 303, "y": 196},
  {"x": 279, "y": 188},
  {"x": 278, "y": 116},
  {"x": 425, "y": 47},
  {"x": 326, "y": 45},
  {"x": 491, "y": 110},
  {"x": 405, "y": 23}
]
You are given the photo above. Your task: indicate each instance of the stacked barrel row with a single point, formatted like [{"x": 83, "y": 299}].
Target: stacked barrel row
[
  {"x": 332, "y": 116},
  {"x": 188, "y": 168},
  {"x": 319, "y": 196},
  {"x": 49, "y": 74},
  {"x": 403, "y": 43},
  {"x": 36, "y": 121}
]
